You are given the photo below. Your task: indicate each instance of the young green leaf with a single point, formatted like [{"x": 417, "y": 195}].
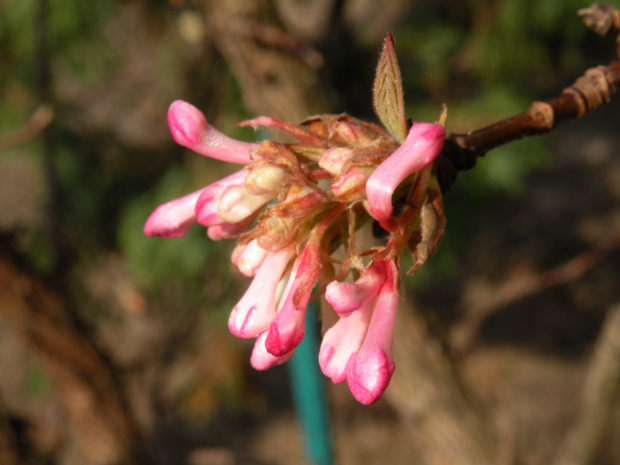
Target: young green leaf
[{"x": 388, "y": 92}]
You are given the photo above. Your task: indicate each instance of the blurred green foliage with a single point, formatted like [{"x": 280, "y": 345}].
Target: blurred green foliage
[{"x": 158, "y": 260}]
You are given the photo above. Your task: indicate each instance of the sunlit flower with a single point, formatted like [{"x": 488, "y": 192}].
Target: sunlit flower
[{"x": 291, "y": 205}]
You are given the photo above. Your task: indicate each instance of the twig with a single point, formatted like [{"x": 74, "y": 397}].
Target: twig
[
  {"x": 39, "y": 120},
  {"x": 588, "y": 92},
  {"x": 54, "y": 214},
  {"x": 275, "y": 72},
  {"x": 272, "y": 36},
  {"x": 586, "y": 438},
  {"x": 603, "y": 19},
  {"x": 488, "y": 300}
]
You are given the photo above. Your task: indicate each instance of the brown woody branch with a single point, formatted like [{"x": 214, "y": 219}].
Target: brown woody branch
[
  {"x": 39, "y": 120},
  {"x": 588, "y": 92},
  {"x": 601, "y": 18},
  {"x": 488, "y": 299}
]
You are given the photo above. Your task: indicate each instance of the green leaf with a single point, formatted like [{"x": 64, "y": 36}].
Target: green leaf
[{"x": 388, "y": 92}]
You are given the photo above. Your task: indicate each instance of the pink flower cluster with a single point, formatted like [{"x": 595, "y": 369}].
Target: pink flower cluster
[{"x": 288, "y": 208}]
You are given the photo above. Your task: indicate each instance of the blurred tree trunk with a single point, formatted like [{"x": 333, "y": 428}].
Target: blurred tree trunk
[
  {"x": 445, "y": 424},
  {"x": 589, "y": 434},
  {"x": 275, "y": 71}
]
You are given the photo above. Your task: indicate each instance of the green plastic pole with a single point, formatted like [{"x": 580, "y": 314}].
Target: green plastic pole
[{"x": 308, "y": 387}]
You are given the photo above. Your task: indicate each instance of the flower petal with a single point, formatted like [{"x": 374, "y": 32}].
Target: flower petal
[
  {"x": 347, "y": 297},
  {"x": 263, "y": 360},
  {"x": 208, "y": 201},
  {"x": 174, "y": 218},
  {"x": 256, "y": 310},
  {"x": 248, "y": 257},
  {"x": 372, "y": 370},
  {"x": 288, "y": 329},
  {"x": 342, "y": 342},
  {"x": 190, "y": 128},
  {"x": 421, "y": 147},
  {"x": 237, "y": 204}
]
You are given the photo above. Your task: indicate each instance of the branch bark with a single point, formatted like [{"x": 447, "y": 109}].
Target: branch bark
[{"x": 588, "y": 92}]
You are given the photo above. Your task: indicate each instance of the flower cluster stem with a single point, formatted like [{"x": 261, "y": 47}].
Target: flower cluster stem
[{"x": 588, "y": 92}]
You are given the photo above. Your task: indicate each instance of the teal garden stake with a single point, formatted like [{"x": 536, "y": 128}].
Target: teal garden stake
[{"x": 308, "y": 388}]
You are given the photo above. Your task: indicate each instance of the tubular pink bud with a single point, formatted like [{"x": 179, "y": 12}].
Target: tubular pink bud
[
  {"x": 355, "y": 177},
  {"x": 288, "y": 329},
  {"x": 256, "y": 309},
  {"x": 334, "y": 159},
  {"x": 342, "y": 342},
  {"x": 229, "y": 230},
  {"x": 248, "y": 257},
  {"x": 190, "y": 128},
  {"x": 263, "y": 360},
  {"x": 265, "y": 179},
  {"x": 174, "y": 218},
  {"x": 372, "y": 370},
  {"x": 421, "y": 147},
  {"x": 237, "y": 204},
  {"x": 208, "y": 201},
  {"x": 346, "y": 297},
  {"x": 353, "y": 134}
]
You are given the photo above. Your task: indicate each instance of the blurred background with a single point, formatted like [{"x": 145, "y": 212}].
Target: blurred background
[{"x": 114, "y": 347}]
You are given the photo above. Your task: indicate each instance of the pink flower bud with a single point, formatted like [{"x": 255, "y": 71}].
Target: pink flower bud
[
  {"x": 287, "y": 330},
  {"x": 190, "y": 128},
  {"x": 351, "y": 133},
  {"x": 420, "y": 148},
  {"x": 334, "y": 159},
  {"x": 248, "y": 257},
  {"x": 265, "y": 179},
  {"x": 355, "y": 177},
  {"x": 208, "y": 201},
  {"x": 342, "y": 342},
  {"x": 372, "y": 370},
  {"x": 236, "y": 203},
  {"x": 229, "y": 230},
  {"x": 263, "y": 360},
  {"x": 256, "y": 310},
  {"x": 174, "y": 218},
  {"x": 346, "y": 297},
  {"x": 277, "y": 232}
]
